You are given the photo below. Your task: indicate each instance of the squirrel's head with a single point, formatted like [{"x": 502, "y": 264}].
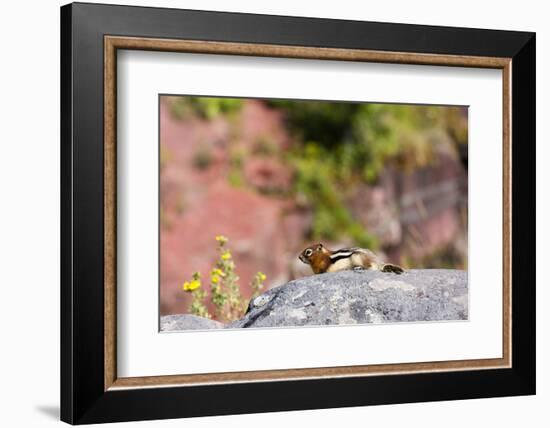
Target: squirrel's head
[{"x": 312, "y": 252}]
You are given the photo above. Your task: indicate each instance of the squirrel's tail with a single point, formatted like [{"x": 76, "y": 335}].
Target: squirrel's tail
[{"x": 392, "y": 268}]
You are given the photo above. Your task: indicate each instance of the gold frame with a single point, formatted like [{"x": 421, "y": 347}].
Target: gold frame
[{"x": 112, "y": 43}]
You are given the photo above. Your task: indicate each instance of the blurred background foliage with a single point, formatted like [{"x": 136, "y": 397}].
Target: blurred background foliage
[
  {"x": 325, "y": 162},
  {"x": 338, "y": 145},
  {"x": 205, "y": 108}
]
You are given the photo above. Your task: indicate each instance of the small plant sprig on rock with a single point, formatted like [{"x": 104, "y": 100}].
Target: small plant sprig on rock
[
  {"x": 226, "y": 293},
  {"x": 199, "y": 295},
  {"x": 258, "y": 284}
]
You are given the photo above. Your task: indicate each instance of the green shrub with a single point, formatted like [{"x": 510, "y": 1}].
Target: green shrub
[
  {"x": 204, "y": 107},
  {"x": 202, "y": 158}
]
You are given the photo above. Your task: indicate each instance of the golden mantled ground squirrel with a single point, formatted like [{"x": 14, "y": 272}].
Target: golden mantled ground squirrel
[{"x": 323, "y": 260}]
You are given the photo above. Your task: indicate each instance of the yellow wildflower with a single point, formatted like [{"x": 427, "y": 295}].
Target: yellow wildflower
[
  {"x": 191, "y": 285},
  {"x": 217, "y": 272},
  {"x": 226, "y": 255},
  {"x": 262, "y": 276},
  {"x": 221, "y": 239},
  {"x": 215, "y": 279}
]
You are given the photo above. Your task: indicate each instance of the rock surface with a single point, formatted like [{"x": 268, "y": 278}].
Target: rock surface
[
  {"x": 352, "y": 297},
  {"x": 187, "y": 322}
]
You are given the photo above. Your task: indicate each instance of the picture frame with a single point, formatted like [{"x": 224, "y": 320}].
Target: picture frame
[{"x": 91, "y": 35}]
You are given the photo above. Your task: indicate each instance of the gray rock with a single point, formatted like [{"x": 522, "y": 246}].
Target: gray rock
[
  {"x": 187, "y": 322},
  {"x": 358, "y": 297}
]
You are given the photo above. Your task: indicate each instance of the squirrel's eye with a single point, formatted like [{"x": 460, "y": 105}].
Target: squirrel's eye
[{"x": 308, "y": 252}]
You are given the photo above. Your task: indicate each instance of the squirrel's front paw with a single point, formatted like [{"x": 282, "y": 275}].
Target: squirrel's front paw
[{"x": 393, "y": 268}]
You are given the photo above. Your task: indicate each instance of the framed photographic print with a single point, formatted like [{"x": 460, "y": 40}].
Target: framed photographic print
[{"x": 264, "y": 213}]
